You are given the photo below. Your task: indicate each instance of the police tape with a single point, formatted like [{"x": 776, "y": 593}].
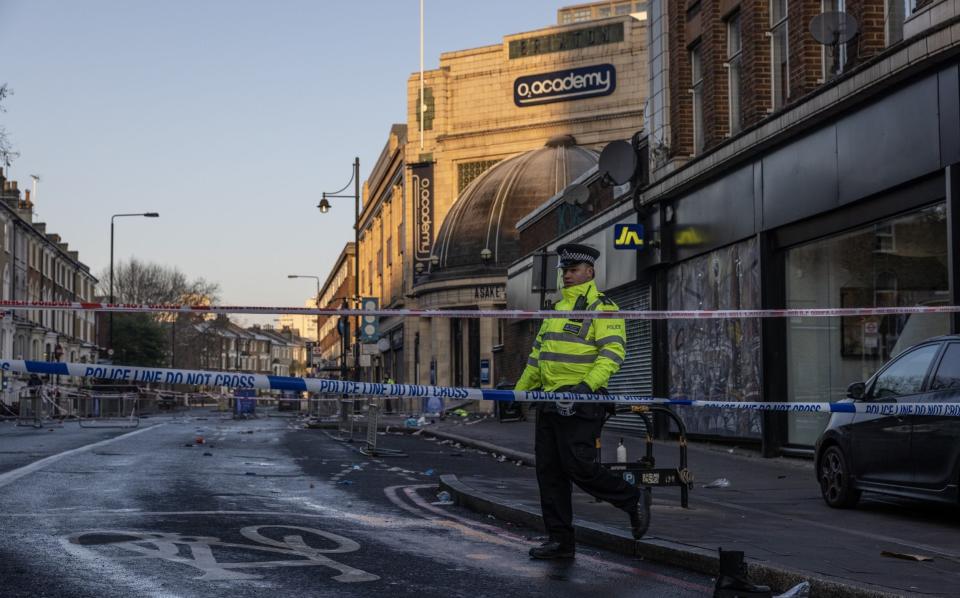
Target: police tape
[
  {"x": 141, "y": 375},
  {"x": 507, "y": 314}
]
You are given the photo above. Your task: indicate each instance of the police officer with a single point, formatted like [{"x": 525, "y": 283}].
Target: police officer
[{"x": 577, "y": 355}]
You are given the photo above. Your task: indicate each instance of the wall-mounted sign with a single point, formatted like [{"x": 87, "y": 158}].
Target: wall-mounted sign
[
  {"x": 564, "y": 41},
  {"x": 484, "y": 371},
  {"x": 488, "y": 291},
  {"x": 564, "y": 86},
  {"x": 422, "y": 186},
  {"x": 628, "y": 236}
]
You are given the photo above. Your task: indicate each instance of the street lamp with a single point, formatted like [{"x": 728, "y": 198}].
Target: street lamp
[
  {"x": 317, "y": 278},
  {"x": 324, "y": 207},
  {"x": 112, "y": 218}
]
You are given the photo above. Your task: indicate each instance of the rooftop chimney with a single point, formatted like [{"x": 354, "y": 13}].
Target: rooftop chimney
[{"x": 36, "y": 184}]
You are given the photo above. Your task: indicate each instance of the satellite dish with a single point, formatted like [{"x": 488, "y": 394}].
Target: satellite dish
[
  {"x": 577, "y": 194},
  {"x": 834, "y": 28},
  {"x": 618, "y": 162}
]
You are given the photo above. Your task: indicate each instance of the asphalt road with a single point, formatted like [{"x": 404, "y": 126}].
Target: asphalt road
[{"x": 265, "y": 506}]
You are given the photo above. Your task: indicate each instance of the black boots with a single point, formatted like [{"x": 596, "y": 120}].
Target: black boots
[
  {"x": 552, "y": 549},
  {"x": 732, "y": 581},
  {"x": 640, "y": 514}
]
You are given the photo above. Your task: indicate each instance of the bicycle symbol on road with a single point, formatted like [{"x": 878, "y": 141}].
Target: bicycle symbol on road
[{"x": 166, "y": 546}]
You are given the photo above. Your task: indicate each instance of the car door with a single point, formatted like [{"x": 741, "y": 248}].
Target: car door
[
  {"x": 880, "y": 444},
  {"x": 935, "y": 444}
]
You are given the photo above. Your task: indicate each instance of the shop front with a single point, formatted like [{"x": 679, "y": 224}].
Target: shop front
[{"x": 859, "y": 210}]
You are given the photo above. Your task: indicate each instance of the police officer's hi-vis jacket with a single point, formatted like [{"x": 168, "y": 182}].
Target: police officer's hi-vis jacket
[{"x": 568, "y": 352}]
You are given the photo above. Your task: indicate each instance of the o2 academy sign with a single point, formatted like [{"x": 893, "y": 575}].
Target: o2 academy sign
[
  {"x": 422, "y": 182},
  {"x": 564, "y": 86}
]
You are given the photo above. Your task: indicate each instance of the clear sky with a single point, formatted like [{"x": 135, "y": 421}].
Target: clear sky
[{"x": 227, "y": 117}]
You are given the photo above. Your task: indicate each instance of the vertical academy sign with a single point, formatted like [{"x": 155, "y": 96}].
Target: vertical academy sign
[{"x": 422, "y": 183}]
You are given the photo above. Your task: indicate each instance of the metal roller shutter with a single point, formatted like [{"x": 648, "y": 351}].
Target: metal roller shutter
[{"x": 636, "y": 375}]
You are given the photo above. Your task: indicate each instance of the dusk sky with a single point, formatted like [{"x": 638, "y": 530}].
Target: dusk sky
[{"x": 228, "y": 118}]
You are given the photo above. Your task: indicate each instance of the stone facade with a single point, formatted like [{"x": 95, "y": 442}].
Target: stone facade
[
  {"x": 40, "y": 266},
  {"x": 472, "y": 121},
  {"x": 473, "y": 118}
]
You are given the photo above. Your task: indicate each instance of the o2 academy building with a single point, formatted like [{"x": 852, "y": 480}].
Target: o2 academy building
[{"x": 502, "y": 129}]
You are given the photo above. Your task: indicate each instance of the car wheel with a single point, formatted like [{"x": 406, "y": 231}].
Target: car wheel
[{"x": 836, "y": 484}]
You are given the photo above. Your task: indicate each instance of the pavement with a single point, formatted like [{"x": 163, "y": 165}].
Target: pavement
[{"x": 771, "y": 510}]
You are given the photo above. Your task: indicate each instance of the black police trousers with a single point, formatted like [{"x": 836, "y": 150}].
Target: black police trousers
[{"x": 566, "y": 452}]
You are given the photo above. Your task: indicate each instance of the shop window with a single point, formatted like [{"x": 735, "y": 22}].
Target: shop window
[
  {"x": 779, "y": 53},
  {"x": 824, "y": 355}
]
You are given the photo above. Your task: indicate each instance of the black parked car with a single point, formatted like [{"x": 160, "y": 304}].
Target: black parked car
[{"x": 914, "y": 456}]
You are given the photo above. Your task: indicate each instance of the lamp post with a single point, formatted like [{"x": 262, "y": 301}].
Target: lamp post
[
  {"x": 317, "y": 278},
  {"x": 112, "y": 218},
  {"x": 324, "y": 207}
]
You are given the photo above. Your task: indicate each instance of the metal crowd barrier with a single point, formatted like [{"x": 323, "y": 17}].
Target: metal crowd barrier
[
  {"x": 108, "y": 409},
  {"x": 347, "y": 420},
  {"x": 37, "y": 409},
  {"x": 324, "y": 408},
  {"x": 370, "y": 448}
]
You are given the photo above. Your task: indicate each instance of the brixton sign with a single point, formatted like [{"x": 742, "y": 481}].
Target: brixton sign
[{"x": 563, "y": 86}]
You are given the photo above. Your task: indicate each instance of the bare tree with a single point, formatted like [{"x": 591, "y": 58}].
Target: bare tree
[
  {"x": 185, "y": 338},
  {"x": 7, "y": 155},
  {"x": 144, "y": 282}
]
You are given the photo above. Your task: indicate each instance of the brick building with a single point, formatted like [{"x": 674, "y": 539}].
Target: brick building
[
  {"x": 835, "y": 184},
  {"x": 729, "y": 64}
]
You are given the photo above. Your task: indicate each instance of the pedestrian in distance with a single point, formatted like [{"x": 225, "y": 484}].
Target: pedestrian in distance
[
  {"x": 577, "y": 355},
  {"x": 34, "y": 383}
]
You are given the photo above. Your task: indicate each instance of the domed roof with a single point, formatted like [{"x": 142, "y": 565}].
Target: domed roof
[{"x": 480, "y": 229}]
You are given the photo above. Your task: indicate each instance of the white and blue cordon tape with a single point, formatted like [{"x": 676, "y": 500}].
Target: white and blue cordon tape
[{"x": 141, "y": 375}]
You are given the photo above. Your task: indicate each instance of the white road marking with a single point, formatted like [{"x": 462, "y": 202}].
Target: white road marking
[
  {"x": 166, "y": 546},
  {"x": 16, "y": 474}
]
